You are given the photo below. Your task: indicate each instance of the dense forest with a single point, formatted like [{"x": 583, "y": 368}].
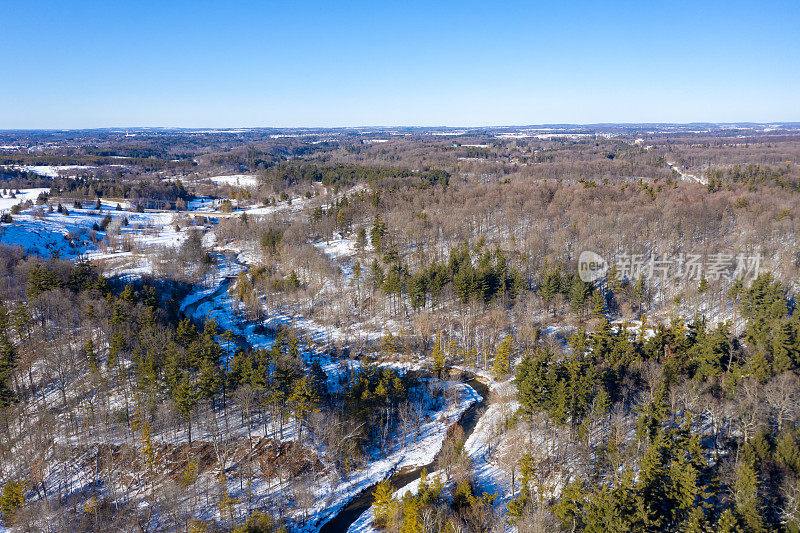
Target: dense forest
[{"x": 312, "y": 330}]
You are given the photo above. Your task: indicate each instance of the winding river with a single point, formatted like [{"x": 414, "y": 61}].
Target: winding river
[
  {"x": 342, "y": 521},
  {"x": 353, "y": 510}
]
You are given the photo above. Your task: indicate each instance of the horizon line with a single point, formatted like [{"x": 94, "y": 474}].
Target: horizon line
[{"x": 406, "y": 126}]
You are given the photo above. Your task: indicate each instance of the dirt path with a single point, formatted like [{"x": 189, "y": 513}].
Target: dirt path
[{"x": 685, "y": 176}]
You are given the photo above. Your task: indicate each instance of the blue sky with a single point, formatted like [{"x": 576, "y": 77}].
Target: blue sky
[{"x": 294, "y": 63}]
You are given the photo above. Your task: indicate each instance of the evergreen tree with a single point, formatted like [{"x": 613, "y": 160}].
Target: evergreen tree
[
  {"x": 412, "y": 511},
  {"x": 11, "y": 500},
  {"x": 304, "y": 400},
  {"x": 579, "y": 295},
  {"x": 745, "y": 492},
  {"x": 91, "y": 356},
  {"x": 383, "y": 504},
  {"x": 598, "y": 304},
  {"x": 728, "y": 523},
  {"x": 361, "y": 240},
  {"x": 377, "y": 234},
  {"x": 41, "y": 279},
  {"x": 185, "y": 398},
  {"x": 787, "y": 451},
  {"x": 127, "y": 294},
  {"x": 503, "y": 357},
  {"x": 186, "y": 333},
  {"x": 551, "y": 286},
  {"x": 116, "y": 347},
  {"x": 389, "y": 345},
  {"x": 532, "y": 382},
  {"x": 703, "y": 285},
  {"x": 23, "y": 321},
  {"x": 784, "y": 355},
  {"x": 569, "y": 507},
  {"x": 8, "y": 359}
]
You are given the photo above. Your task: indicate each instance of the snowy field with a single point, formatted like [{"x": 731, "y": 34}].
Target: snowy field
[
  {"x": 52, "y": 171},
  {"x": 7, "y": 201},
  {"x": 238, "y": 180},
  {"x": 39, "y": 232}
]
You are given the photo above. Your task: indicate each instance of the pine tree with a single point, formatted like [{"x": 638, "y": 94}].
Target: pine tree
[
  {"x": 550, "y": 286},
  {"x": 612, "y": 279},
  {"x": 532, "y": 381},
  {"x": 41, "y": 279},
  {"x": 611, "y": 509},
  {"x": 186, "y": 333},
  {"x": 389, "y": 345},
  {"x": 116, "y": 347},
  {"x": 696, "y": 522},
  {"x": 357, "y": 276},
  {"x": 361, "y": 240},
  {"x": 209, "y": 381},
  {"x": 91, "y": 356},
  {"x": 377, "y": 234},
  {"x": 503, "y": 357},
  {"x": 702, "y": 286},
  {"x": 22, "y": 320},
  {"x": 341, "y": 219},
  {"x": 147, "y": 447},
  {"x": 304, "y": 400},
  {"x": 640, "y": 292},
  {"x": 759, "y": 365},
  {"x": 11, "y": 500},
  {"x": 127, "y": 294},
  {"x": 745, "y": 492},
  {"x": 412, "y": 519},
  {"x": 184, "y": 397},
  {"x": 598, "y": 304},
  {"x": 8, "y": 359},
  {"x": 728, "y": 523},
  {"x": 568, "y": 508},
  {"x": 416, "y": 291},
  {"x": 383, "y": 504},
  {"x": 788, "y": 452},
  {"x": 579, "y": 295},
  {"x": 784, "y": 356}
]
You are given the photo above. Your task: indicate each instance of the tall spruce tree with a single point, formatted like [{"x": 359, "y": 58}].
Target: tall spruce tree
[{"x": 8, "y": 359}]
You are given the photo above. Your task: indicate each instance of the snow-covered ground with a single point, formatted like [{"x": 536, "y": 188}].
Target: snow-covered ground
[
  {"x": 42, "y": 233},
  {"x": 332, "y": 494},
  {"x": 51, "y": 171},
  {"x": 686, "y": 176},
  {"x": 420, "y": 452},
  {"x": 488, "y": 477},
  {"x": 338, "y": 248},
  {"x": 297, "y": 205},
  {"x": 239, "y": 180},
  {"x": 7, "y": 201}
]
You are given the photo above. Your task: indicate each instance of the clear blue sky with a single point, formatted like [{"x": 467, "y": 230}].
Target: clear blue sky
[{"x": 294, "y": 63}]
